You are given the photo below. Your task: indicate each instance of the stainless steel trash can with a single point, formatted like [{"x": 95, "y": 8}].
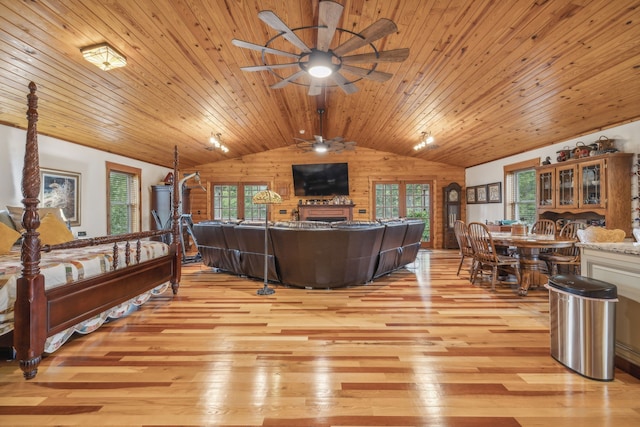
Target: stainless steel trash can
[{"x": 582, "y": 313}]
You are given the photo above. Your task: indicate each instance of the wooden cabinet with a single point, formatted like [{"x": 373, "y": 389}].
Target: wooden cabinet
[
  {"x": 161, "y": 203},
  {"x": 594, "y": 189}
]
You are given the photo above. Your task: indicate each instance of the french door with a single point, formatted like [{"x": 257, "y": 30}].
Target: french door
[{"x": 405, "y": 199}]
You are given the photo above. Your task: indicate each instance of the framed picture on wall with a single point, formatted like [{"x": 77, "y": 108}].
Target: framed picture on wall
[
  {"x": 60, "y": 189},
  {"x": 481, "y": 194},
  {"x": 495, "y": 192},
  {"x": 471, "y": 195}
]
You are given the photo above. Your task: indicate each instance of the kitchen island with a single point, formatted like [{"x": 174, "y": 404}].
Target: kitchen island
[{"x": 619, "y": 264}]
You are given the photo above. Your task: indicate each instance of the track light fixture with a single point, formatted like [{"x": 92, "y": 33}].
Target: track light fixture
[
  {"x": 215, "y": 142},
  {"x": 425, "y": 140}
]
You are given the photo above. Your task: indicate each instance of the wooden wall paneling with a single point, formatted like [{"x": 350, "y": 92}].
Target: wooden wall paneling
[{"x": 365, "y": 165}]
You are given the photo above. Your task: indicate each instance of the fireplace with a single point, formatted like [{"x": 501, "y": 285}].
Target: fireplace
[{"x": 328, "y": 213}]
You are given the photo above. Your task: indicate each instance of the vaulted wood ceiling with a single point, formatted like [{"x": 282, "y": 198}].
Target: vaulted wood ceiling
[{"x": 486, "y": 78}]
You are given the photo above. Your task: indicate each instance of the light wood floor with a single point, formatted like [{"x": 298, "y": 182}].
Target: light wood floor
[{"x": 420, "y": 347}]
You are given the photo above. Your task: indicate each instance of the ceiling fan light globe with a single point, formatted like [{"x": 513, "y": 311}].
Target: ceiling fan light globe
[
  {"x": 320, "y": 71},
  {"x": 320, "y": 148}
]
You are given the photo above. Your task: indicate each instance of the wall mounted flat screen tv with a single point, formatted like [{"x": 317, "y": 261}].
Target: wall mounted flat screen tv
[{"x": 325, "y": 179}]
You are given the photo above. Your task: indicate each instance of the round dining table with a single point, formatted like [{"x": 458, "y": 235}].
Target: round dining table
[{"x": 528, "y": 247}]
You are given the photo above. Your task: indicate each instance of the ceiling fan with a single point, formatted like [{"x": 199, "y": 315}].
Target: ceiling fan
[
  {"x": 316, "y": 65},
  {"x": 320, "y": 145}
]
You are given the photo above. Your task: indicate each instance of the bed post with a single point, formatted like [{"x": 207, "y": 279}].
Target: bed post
[
  {"x": 175, "y": 228},
  {"x": 30, "y": 329}
]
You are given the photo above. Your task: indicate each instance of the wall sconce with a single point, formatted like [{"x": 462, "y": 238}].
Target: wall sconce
[
  {"x": 104, "y": 56},
  {"x": 215, "y": 142},
  {"x": 426, "y": 139}
]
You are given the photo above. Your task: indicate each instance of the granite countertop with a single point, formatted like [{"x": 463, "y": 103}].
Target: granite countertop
[{"x": 626, "y": 247}]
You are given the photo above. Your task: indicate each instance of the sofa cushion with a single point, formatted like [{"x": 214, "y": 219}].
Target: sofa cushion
[
  {"x": 8, "y": 237},
  {"x": 53, "y": 231}
]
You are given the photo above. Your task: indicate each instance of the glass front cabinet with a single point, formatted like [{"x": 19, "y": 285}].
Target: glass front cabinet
[
  {"x": 596, "y": 190},
  {"x": 592, "y": 184},
  {"x": 567, "y": 190}
]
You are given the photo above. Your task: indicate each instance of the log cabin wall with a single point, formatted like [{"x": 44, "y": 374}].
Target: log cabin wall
[{"x": 365, "y": 167}]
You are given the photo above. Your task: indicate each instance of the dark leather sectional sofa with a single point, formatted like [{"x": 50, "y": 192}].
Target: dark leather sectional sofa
[{"x": 311, "y": 254}]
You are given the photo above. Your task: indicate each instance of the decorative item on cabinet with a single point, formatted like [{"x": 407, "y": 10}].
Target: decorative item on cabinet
[{"x": 581, "y": 150}]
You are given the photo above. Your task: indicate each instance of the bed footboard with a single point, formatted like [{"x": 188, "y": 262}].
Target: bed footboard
[{"x": 40, "y": 313}]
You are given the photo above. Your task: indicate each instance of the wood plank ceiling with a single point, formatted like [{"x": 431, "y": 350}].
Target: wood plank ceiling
[{"x": 486, "y": 78}]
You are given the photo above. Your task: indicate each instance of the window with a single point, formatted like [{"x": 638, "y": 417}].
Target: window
[
  {"x": 520, "y": 179},
  {"x": 404, "y": 199},
  {"x": 234, "y": 201},
  {"x": 123, "y": 204},
  {"x": 225, "y": 202}
]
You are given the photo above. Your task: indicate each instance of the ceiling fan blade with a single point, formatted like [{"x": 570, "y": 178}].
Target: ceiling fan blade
[
  {"x": 344, "y": 84},
  {"x": 350, "y": 145},
  {"x": 315, "y": 88},
  {"x": 328, "y": 16},
  {"x": 286, "y": 81},
  {"x": 365, "y": 73},
  {"x": 395, "y": 55},
  {"x": 301, "y": 140},
  {"x": 373, "y": 32},
  {"x": 276, "y": 23},
  {"x": 268, "y": 67},
  {"x": 260, "y": 48}
]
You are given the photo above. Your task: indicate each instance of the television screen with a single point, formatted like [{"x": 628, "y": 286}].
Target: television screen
[{"x": 326, "y": 179}]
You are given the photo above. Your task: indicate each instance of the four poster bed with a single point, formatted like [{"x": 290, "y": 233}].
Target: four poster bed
[{"x": 108, "y": 277}]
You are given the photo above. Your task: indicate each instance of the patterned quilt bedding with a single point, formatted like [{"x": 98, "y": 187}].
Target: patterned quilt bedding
[{"x": 69, "y": 265}]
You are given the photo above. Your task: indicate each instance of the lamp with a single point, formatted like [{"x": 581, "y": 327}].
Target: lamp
[
  {"x": 104, "y": 56},
  {"x": 426, "y": 139},
  {"x": 266, "y": 197},
  {"x": 215, "y": 141}
]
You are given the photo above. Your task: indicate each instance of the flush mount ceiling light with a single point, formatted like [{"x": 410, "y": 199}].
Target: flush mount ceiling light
[
  {"x": 320, "y": 66},
  {"x": 104, "y": 56},
  {"x": 425, "y": 140},
  {"x": 214, "y": 140}
]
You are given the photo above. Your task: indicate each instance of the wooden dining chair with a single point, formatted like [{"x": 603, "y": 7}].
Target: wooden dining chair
[
  {"x": 466, "y": 251},
  {"x": 544, "y": 226},
  {"x": 486, "y": 256},
  {"x": 570, "y": 256}
]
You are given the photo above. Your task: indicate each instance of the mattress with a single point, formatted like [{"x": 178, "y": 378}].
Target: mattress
[{"x": 69, "y": 265}]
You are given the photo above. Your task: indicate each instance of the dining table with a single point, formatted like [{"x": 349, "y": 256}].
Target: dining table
[{"x": 528, "y": 247}]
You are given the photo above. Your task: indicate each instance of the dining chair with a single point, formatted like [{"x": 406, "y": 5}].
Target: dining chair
[
  {"x": 570, "y": 256},
  {"x": 466, "y": 251},
  {"x": 544, "y": 226},
  {"x": 486, "y": 256}
]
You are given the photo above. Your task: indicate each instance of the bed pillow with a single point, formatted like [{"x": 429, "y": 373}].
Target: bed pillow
[
  {"x": 5, "y": 219},
  {"x": 8, "y": 237},
  {"x": 16, "y": 215},
  {"x": 53, "y": 231}
]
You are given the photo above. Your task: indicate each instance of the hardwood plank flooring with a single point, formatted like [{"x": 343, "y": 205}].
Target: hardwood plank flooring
[{"x": 420, "y": 347}]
